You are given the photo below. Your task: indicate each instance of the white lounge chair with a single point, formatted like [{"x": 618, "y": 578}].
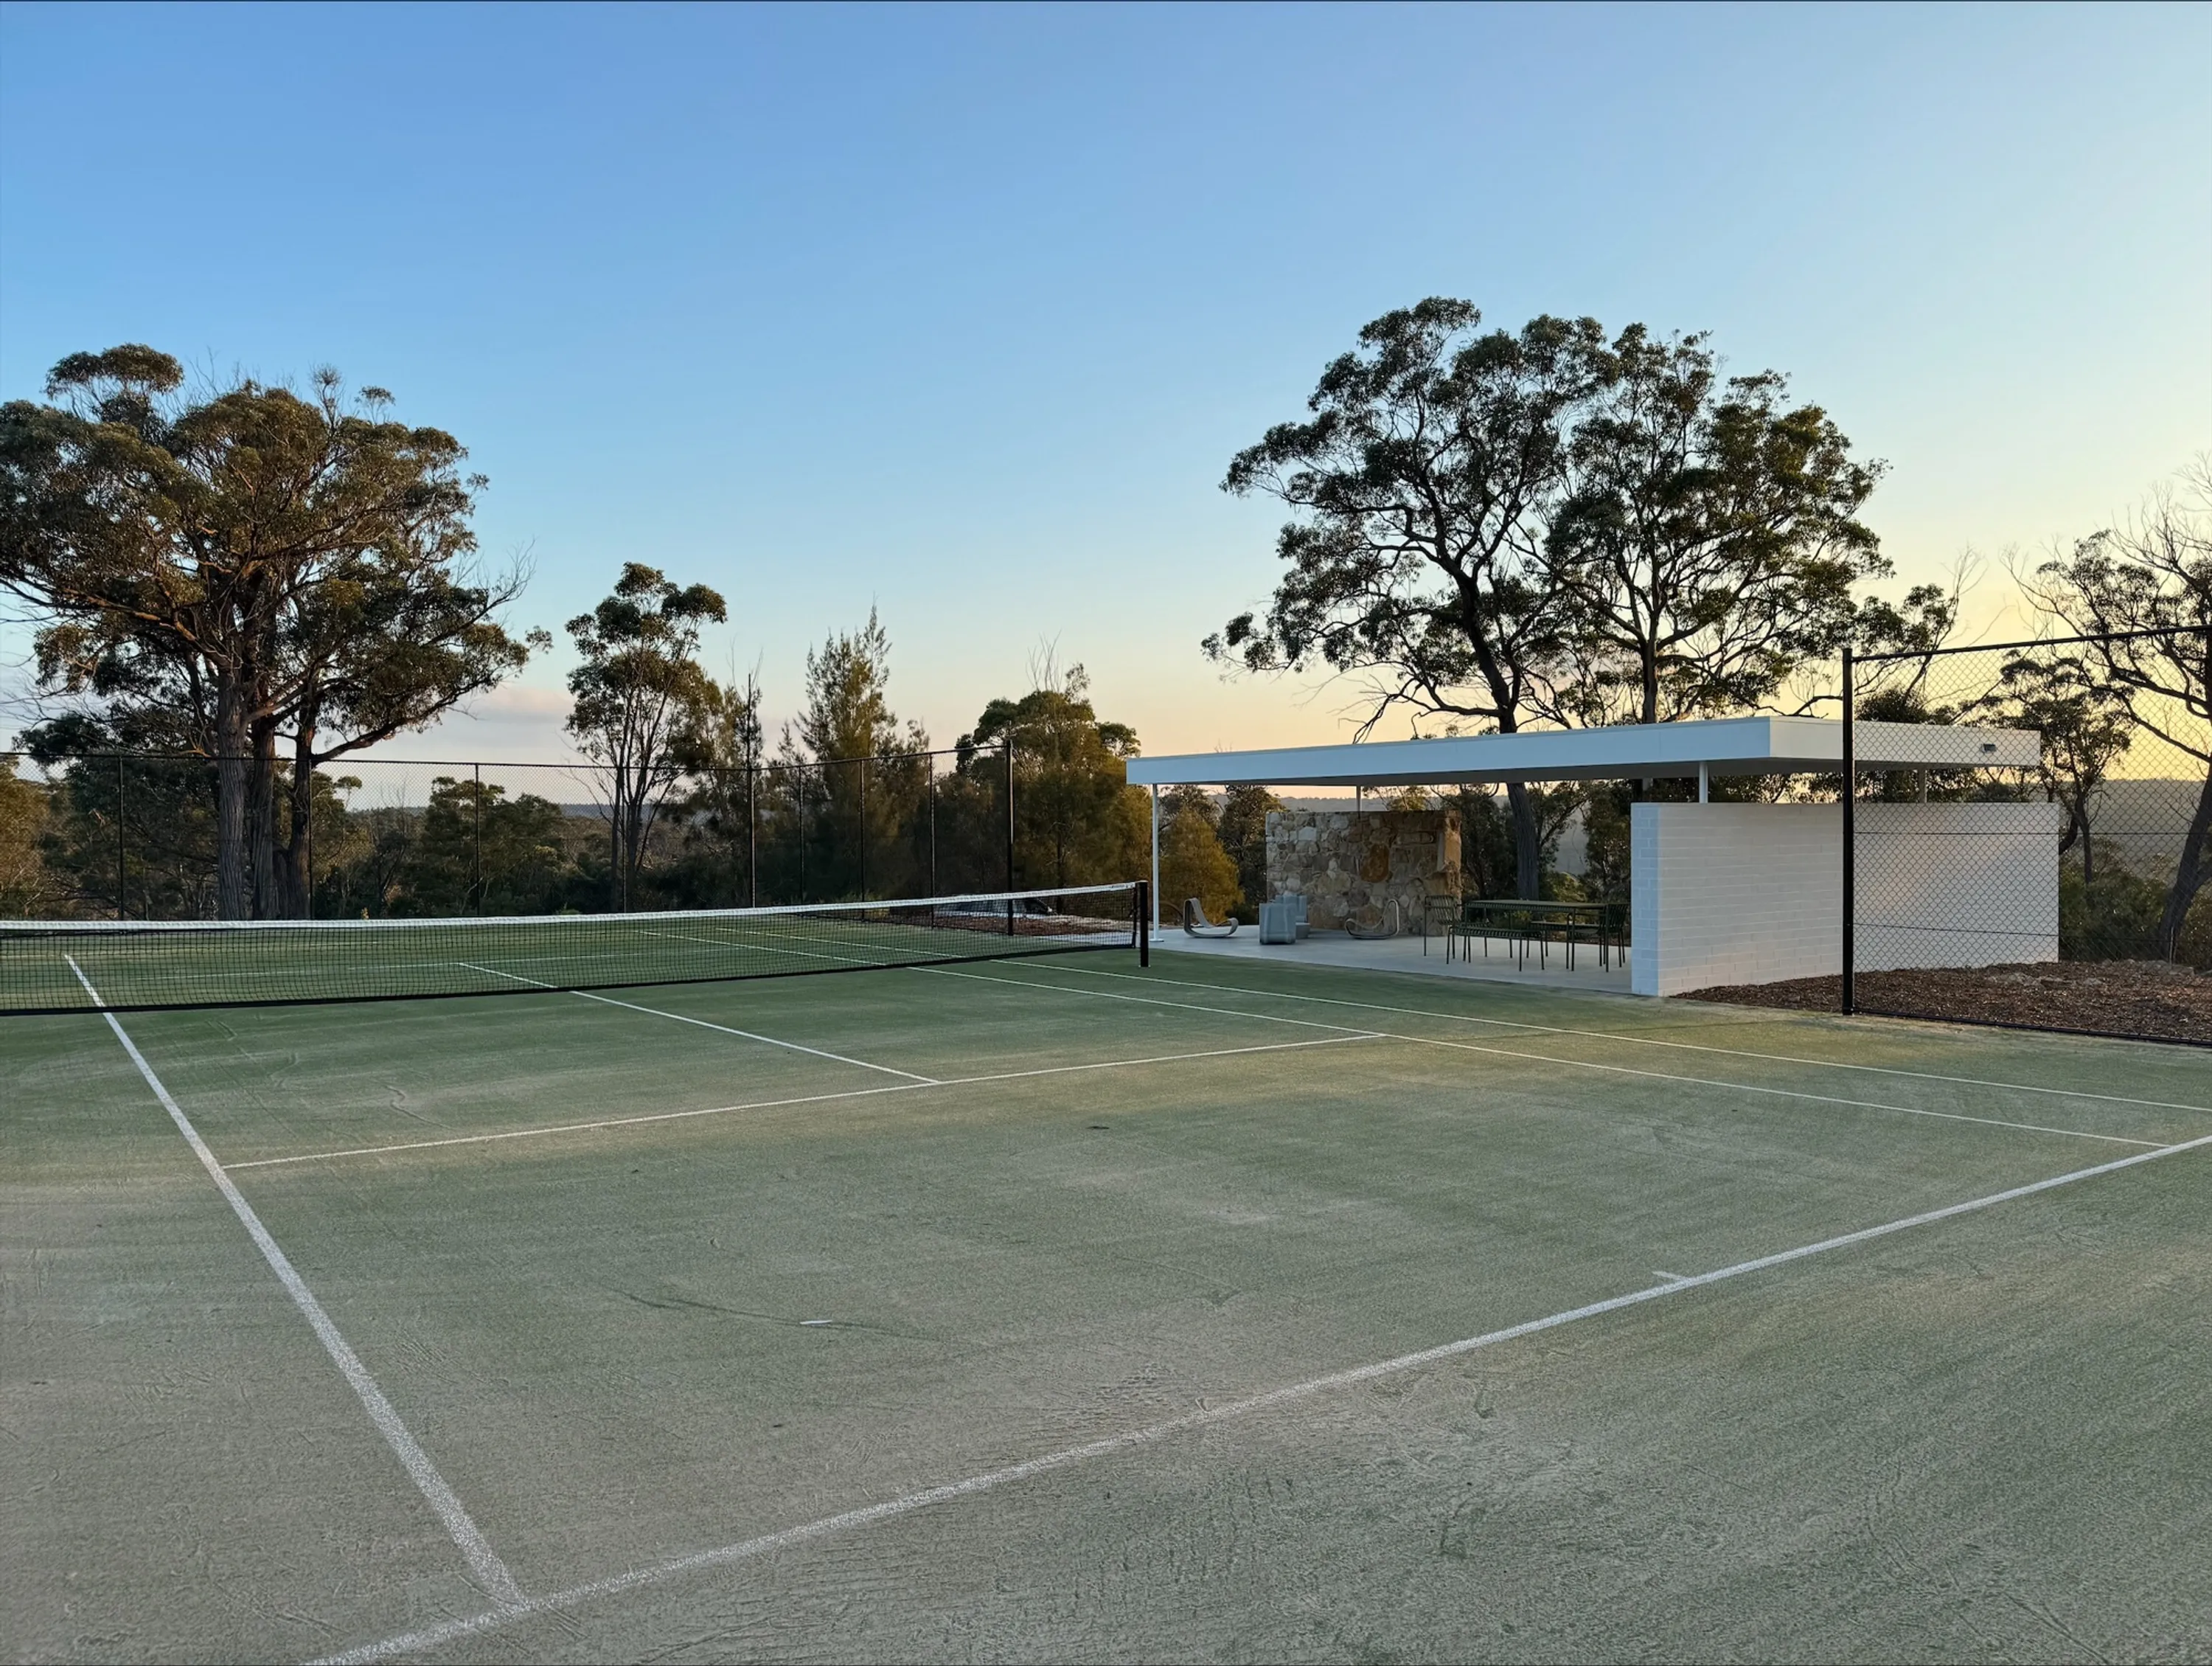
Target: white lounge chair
[{"x": 1197, "y": 925}]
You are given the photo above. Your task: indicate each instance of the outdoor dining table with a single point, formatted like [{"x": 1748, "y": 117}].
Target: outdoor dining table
[{"x": 1525, "y": 920}]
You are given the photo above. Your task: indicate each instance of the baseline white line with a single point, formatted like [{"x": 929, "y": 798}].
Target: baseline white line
[
  {"x": 1646, "y": 1041},
  {"x": 777, "y": 1104},
  {"x": 1586, "y": 1064},
  {"x": 726, "y": 1030},
  {"x": 750, "y": 1549},
  {"x": 498, "y": 1583}
]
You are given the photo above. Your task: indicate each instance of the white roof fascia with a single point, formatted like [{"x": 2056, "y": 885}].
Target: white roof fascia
[{"x": 1726, "y": 746}]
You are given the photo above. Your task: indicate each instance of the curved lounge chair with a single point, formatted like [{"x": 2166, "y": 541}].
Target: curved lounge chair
[
  {"x": 1392, "y": 923},
  {"x": 1195, "y": 922}
]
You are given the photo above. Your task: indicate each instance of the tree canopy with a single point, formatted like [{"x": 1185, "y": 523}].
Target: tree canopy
[
  {"x": 641, "y": 697},
  {"x": 227, "y": 574}
]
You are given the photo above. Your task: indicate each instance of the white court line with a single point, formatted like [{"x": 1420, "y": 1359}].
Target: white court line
[
  {"x": 1646, "y": 1041},
  {"x": 775, "y": 1104},
  {"x": 1141, "y": 1000},
  {"x": 654, "y": 1011},
  {"x": 492, "y": 1573},
  {"x": 771, "y": 948},
  {"x": 846, "y": 1521},
  {"x": 1584, "y": 1064}
]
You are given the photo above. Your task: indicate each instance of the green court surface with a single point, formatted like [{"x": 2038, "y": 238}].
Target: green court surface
[{"x": 1057, "y": 1309}]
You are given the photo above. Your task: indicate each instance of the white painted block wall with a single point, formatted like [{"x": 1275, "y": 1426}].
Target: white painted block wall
[{"x": 1753, "y": 893}]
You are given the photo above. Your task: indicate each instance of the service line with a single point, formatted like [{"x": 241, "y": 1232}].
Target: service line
[
  {"x": 801, "y": 1099},
  {"x": 746, "y": 1550},
  {"x": 703, "y": 1024},
  {"x": 1646, "y": 1041},
  {"x": 1581, "y": 1064}
]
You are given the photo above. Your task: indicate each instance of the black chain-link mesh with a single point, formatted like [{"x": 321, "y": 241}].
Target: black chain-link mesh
[{"x": 2069, "y": 895}]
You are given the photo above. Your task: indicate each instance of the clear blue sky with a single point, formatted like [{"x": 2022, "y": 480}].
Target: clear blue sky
[{"x": 963, "y": 312}]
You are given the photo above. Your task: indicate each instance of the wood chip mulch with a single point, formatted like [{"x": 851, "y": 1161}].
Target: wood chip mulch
[{"x": 2153, "y": 998}]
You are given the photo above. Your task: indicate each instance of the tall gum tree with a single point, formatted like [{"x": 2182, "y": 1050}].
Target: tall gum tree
[
  {"x": 1709, "y": 544},
  {"x": 1423, "y": 489},
  {"x": 243, "y": 568},
  {"x": 2153, "y": 573},
  {"x": 641, "y": 698}
]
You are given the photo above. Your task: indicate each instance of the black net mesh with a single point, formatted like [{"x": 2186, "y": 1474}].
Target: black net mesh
[
  {"x": 76, "y": 966},
  {"x": 2069, "y": 894}
]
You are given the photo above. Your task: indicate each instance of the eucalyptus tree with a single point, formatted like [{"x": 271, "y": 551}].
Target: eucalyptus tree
[
  {"x": 1709, "y": 545},
  {"x": 236, "y": 569},
  {"x": 640, "y": 696},
  {"x": 1422, "y": 491},
  {"x": 2143, "y": 591}
]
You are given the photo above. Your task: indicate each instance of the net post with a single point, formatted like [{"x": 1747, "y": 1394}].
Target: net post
[
  {"x": 1144, "y": 922},
  {"x": 1849, "y": 1002}
]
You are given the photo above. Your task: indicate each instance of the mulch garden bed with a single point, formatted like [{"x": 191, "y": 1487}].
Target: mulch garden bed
[{"x": 2152, "y": 998}]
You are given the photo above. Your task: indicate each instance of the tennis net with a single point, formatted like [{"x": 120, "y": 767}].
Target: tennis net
[{"x": 76, "y": 966}]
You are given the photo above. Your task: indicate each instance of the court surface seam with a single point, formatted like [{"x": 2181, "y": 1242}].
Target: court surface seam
[
  {"x": 846, "y": 1521},
  {"x": 801, "y": 1099},
  {"x": 1588, "y": 1064},
  {"x": 705, "y": 1023},
  {"x": 499, "y": 1583},
  {"x": 1643, "y": 1040}
]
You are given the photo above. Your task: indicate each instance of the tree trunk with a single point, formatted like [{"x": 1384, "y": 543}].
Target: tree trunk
[
  {"x": 232, "y": 772},
  {"x": 2188, "y": 877},
  {"x": 261, "y": 823},
  {"x": 1527, "y": 847},
  {"x": 295, "y": 881}
]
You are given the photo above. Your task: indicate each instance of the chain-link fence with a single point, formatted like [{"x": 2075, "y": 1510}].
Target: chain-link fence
[
  {"x": 129, "y": 837},
  {"x": 2070, "y": 894}
]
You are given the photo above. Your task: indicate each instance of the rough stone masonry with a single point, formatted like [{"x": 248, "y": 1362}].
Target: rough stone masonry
[{"x": 1348, "y": 865}]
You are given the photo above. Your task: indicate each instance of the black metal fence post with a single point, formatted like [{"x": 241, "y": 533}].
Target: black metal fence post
[
  {"x": 1850, "y": 834},
  {"x": 119, "y": 847},
  {"x": 929, "y": 761},
  {"x": 864, "y": 829},
  {"x": 752, "y": 836},
  {"x": 475, "y": 882},
  {"x": 1010, "y": 833}
]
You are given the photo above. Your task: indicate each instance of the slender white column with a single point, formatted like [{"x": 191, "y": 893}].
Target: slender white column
[
  {"x": 1701, "y": 783},
  {"x": 1156, "y": 858}
]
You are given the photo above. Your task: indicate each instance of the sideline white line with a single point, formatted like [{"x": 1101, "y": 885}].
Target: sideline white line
[
  {"x": 1141, "y": 1000},
  {"x": 775, "y": 1104},
  {"x": 1649, "y": 1040},
  {"x": 1586, "y": 1064},
  {"x": 726, "y": 1030},
  {"x": 492, "y": 1573},
  {"x": 846, "y": 1521}
]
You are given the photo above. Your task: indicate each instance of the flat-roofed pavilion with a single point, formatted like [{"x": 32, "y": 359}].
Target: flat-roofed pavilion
[{"x": 1724, "y": 893}]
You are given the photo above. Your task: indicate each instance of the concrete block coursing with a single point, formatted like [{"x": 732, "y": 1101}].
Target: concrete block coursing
[
  {"x": 1345, "y": 862},
  {"x": 1753, "y": 893}
]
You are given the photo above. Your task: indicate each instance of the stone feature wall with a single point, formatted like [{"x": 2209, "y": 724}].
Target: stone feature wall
[{"x": 1345, "y": 863}]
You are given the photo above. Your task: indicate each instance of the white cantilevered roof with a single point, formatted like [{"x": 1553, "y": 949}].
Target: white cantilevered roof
[{"x": 1725, "y": 746}]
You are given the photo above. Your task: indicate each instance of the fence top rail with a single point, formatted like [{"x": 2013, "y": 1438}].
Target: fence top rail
[
  {"x": 93, "y": 927},
  {"x": 332, "y": 765},
  {"x": 2204, "y": 630}
]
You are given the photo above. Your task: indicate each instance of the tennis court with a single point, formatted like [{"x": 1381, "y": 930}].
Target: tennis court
[{"x": 1057, "y": 1307}]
